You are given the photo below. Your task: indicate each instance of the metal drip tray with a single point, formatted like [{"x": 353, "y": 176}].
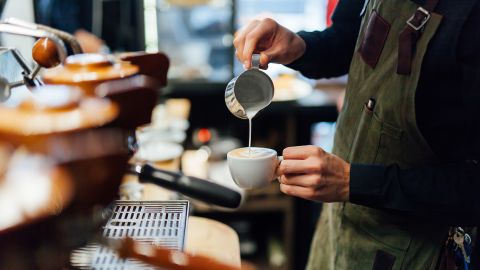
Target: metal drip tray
[{"x": 161, "y": 223}]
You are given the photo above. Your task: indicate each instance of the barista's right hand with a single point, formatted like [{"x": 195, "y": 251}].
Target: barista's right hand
[{"x": 274, "y": 42}]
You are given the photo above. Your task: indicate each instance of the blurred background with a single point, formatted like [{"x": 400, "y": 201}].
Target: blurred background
[{"x": 275, "y": 230}]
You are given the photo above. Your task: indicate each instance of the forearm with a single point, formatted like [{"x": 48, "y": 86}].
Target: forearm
[
  {"x": 329, "y": 53},
  {"x": 446, "y": 193}
]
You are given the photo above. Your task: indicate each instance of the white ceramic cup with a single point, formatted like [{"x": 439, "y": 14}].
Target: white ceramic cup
[{"x": 253, "y": 171}]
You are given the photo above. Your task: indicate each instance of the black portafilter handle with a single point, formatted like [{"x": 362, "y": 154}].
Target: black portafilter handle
[{"x": 193, "y": 187}]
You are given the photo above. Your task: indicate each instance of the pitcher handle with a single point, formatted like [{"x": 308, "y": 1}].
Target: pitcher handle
[{"x": 256, "y": 60}]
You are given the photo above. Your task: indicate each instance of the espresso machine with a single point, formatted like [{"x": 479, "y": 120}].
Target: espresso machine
[{"x": 66, "y": 143}]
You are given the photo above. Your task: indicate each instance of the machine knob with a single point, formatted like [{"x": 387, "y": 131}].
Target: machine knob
[{"x": 45, "y": 53}]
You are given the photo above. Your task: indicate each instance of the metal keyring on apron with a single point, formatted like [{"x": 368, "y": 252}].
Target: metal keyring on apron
[{"x": 249, "y": 92}]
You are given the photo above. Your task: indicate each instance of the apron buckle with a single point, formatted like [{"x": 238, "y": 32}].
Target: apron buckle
[{"x": 419, "y": 19}]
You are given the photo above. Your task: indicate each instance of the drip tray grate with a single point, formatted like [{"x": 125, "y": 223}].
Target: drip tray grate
[{"x": 161, "y": 223}]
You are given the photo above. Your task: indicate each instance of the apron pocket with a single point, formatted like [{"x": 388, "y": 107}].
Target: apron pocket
[
  {"x": 374, "y": 39},
  {"x": 366, "y": 139},
  {"x": 382, "y": 227},
  {"x": 365, "y": 232},
  {"x": 383, "y": 261},
  {"x": 388, "y": 146}
]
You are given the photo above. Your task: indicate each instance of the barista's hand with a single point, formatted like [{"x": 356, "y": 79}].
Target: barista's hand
[
  {"x": 274, "y": 42},
  {"x": 313, "y": 174},
  {"x": 89, "y": 42}
]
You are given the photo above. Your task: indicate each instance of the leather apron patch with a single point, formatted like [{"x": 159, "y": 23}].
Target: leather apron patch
[
  {"x": 383, "y": 261},
  {"x": 374, "y": 39}
]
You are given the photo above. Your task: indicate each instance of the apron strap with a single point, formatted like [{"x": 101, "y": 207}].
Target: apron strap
[{"x": 410, "y": 34}]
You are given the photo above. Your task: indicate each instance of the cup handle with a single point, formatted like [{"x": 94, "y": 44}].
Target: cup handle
[
  {"x": 256, "y": 60},
  {"x": 280, "y": 159}
]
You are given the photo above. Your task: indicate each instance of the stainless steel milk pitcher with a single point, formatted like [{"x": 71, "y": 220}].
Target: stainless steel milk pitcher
[{"x": 249, "y": 92}]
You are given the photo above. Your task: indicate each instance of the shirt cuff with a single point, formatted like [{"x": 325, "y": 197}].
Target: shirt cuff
[
  {"x": 368, "y": 184},
  {"x": 301, "y": 62}
]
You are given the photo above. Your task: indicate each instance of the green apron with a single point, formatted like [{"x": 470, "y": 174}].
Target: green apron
[{"x": 385, "y": 132}]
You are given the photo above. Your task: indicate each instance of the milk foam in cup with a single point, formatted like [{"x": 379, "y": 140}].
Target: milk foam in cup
[{"x": 253, "y": 169}]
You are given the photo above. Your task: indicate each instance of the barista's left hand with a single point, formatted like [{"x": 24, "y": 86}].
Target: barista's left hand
[
  {"x": 89, "y": 42},
  {"x": 313, "y": 174}
]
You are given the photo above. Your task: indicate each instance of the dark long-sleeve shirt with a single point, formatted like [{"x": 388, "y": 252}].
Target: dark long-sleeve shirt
[
  {"x": 68, "y": 15},
  {"x": 447, "y": 112}
]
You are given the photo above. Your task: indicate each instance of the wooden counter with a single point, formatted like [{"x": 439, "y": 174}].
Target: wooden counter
[{"x": 213, "y": 239}]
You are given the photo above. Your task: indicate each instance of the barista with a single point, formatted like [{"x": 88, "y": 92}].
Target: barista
[
  {"x": 405, "y": 165},
  {"x": 72, "y": 16}
]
